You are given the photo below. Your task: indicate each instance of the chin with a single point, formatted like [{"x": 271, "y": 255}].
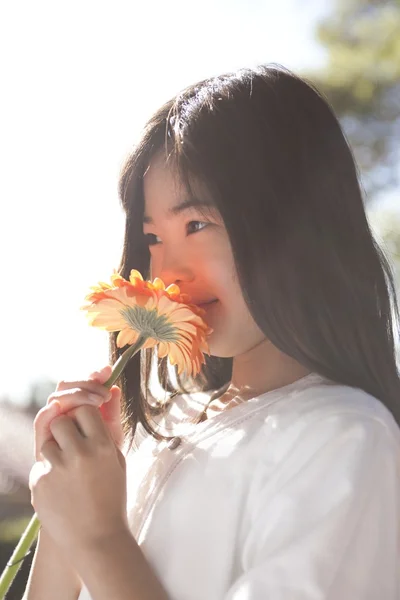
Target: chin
[{"x": 218, "y": 350}]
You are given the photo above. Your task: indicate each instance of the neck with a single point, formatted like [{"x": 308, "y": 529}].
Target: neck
[{"x": 262, "y": 369}]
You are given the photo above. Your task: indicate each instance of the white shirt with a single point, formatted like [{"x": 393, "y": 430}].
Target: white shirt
[{"x": 292, "y": 495}]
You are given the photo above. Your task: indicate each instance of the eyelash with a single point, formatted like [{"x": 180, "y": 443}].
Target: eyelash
[{"x": 148, "y": 235}]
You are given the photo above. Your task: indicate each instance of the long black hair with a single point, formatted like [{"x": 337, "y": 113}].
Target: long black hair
[{"x": 276, "y": 162}]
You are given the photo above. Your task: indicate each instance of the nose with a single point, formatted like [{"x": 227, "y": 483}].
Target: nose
[{"x": 172, "y": 268}]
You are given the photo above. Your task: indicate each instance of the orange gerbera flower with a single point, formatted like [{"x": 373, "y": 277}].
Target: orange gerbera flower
[{"x": 147, "y": 312}]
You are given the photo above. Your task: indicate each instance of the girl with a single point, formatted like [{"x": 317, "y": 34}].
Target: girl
[{"x": 275, "y": 473}]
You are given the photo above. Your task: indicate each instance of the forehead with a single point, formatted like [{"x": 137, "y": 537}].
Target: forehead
[
  {"x": 161, "y": 186},
  {"x": 165, "y": 197}
]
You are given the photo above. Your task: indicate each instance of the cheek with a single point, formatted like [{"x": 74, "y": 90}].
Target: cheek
[
  {"x": 229, "y": 283},
  {"x": 219, "y": 261}
]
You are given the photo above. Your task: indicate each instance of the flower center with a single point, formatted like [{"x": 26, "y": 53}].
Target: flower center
[{"x": 150, "y": 323}]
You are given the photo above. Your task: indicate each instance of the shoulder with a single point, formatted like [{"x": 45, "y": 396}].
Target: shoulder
[
  {"x": 330, "y": 445},
  {"x": 322, "y": 417},
  {"x": 327, "y": 401},
  {"x": 323, "y": 496}
]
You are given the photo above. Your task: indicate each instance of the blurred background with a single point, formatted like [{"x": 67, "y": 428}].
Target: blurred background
[{"x": 78, "y": 80}]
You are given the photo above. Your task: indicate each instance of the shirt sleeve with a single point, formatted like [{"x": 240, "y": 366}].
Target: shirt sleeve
[{"x": 326, "y": 527}]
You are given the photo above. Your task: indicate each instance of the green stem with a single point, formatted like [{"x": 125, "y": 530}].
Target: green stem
[
  {"x": 123, "y": 359},
  {"x": 31, "y": 532},
  {"x": 26, "y": 541}
]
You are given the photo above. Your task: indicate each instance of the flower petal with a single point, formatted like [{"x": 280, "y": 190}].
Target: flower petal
[
  {"x": 126, "y": 336},
  {"x": 172, "y": 324}
]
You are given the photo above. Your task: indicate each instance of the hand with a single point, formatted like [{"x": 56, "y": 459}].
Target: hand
[
  {"x": 71, "y": 395},
  {"x": 67, "y": 399},
  {"x": 79, "y": 488}
]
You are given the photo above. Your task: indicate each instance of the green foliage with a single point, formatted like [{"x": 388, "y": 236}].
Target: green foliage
[
  {"x": 362, "y": 82},
  {"x": 12, "y": 529},
  {"x": 386, "y": 228}
]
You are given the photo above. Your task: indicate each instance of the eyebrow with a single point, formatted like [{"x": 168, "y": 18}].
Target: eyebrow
[{"x": 183, "y": 206}]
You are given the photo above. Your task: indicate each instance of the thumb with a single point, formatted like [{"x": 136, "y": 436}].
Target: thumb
[
  {"x": 111, "y": 414},
  {"x": 102, "y": 375}
]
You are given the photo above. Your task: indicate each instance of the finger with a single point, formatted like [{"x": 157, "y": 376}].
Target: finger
[
  {"x": 65, "y": 401},
  {"x": 111, "y": 414},
  {"x": 41, "y": 426},
  {"x": 91, "y": 386},
  {"x": 111, "y": 410},
  {"x": 67, "y": 432},
  {"x": 51, "y": 452},
  {"x": 70, "y": 398},
  {"x": 102, "y": 375},
  {"x": 91, "y": 424}
]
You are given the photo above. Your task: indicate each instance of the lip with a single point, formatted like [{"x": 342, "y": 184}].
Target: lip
[{"x": 207, "y": 304}]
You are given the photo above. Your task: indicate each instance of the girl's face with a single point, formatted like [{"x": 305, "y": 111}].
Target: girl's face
[{"x": 195, "y": 253}]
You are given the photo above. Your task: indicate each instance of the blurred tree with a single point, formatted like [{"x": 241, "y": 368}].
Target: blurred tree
[
  {"x": 385, "y": 224},
  {"x": 362, "y": 82},
  {"x": 388, "y": 228}
]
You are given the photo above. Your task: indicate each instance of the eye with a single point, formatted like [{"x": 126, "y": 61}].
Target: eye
[
  {"x": 149, "y": 237},
  {"x": 199, "y": 222}
]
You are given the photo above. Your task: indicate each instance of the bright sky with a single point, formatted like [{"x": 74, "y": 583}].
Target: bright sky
[{"x": 78, "y": 80}]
